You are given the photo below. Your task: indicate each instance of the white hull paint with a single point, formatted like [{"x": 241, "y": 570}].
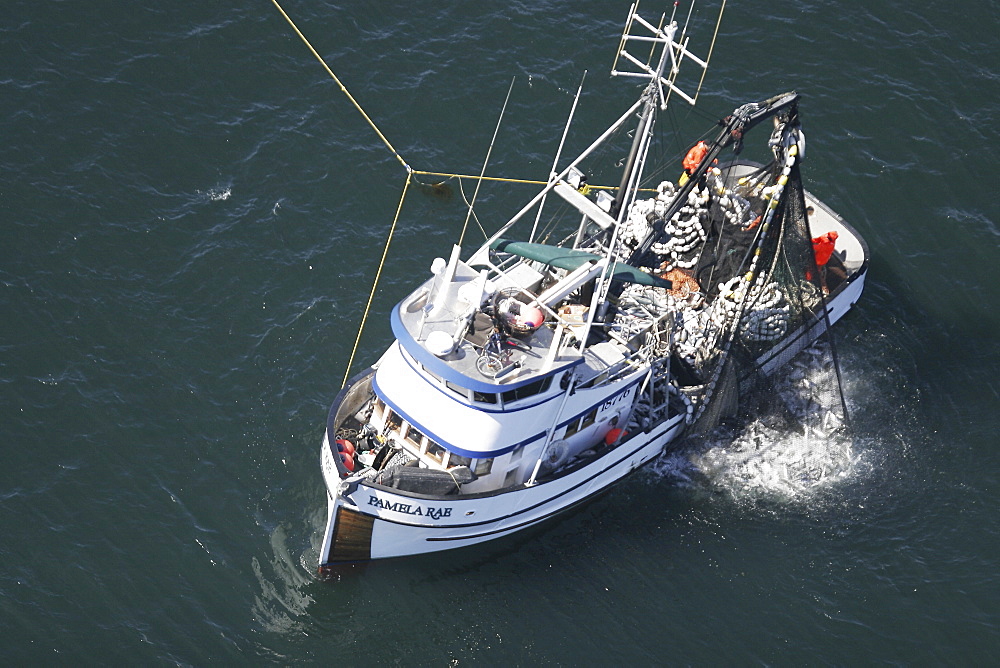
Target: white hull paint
[
  {"x": 408, "y": 524},
  {"x": 591, "y": 393},
  {"x": 404, "y": 524}
]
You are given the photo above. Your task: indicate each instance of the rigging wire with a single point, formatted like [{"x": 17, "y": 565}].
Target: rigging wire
[
  {"x": 555, "y": 160},
  {"x": 378, "y": 274},
  {"x": 711, "y": 48},
  {"x": 475, "y": 217},
  {"x": 449, "y": 175},
  {"x": 343, "y": 88},
  {"x": 410, "y": 177},
  {"x": 485, "y": 162}
]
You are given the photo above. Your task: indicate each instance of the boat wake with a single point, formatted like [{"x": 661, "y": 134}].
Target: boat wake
[{"x": 793, "y": 449}]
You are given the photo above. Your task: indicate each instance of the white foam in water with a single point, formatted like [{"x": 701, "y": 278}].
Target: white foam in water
[
  {"x": 767, "y": 462},
  {"x": 791, "y": 455},
  {"x": 675, "y": 467},
  {"x": 220, "y": 194}
]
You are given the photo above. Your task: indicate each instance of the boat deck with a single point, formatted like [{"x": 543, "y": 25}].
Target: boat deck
[{"x": 420, "y": 322}]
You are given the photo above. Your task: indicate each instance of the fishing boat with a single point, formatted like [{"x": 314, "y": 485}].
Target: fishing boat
[{"x": 580, "y": 343}]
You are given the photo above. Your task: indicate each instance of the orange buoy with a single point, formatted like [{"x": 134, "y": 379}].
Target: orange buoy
[
  {"x": 614, "y": 436},
  {"x": 531, "y": 317},
  {"x": 347, "y": 460},
  {"x": 343, "y": 445}
]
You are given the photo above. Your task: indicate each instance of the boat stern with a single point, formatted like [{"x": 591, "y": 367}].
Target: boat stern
[{"x": 348, "y": 535}]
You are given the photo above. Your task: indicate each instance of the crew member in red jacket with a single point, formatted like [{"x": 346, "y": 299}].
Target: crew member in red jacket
[{"x": 823, "y": 246}]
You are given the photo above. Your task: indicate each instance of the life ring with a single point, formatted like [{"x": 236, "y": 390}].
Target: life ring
[
  {"x": 555, "y": 455},
  {"x": 515, "y": 316}
]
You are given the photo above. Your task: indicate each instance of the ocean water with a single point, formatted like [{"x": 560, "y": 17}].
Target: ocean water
[{"x": 193, "y": 214}]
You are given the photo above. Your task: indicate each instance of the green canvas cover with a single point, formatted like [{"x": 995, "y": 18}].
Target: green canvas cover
[{"x": 570, "y": 259}]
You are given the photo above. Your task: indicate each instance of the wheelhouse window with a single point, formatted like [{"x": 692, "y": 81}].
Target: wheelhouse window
[
  {"x": 393, "y": 422},
  {"x": 457, "y": 389},
  {"x": 478, "y": 397},
  {"x": 581, "y": 423},
  {"x": 484, "y": 398},
  {"x": 437, "y": 453},
  {"x": 416, "y": 437},
  {"x": 459, "y": 460},
  {"x": 529, "y": 390}
]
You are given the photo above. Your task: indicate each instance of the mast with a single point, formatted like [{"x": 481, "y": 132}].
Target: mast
[
  {"x": 641, "y": 132},
  {"x": 663, "y": 82},
  {"x": 644, "y": 128}
]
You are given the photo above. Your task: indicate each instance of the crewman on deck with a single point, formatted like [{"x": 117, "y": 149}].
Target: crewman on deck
[
  {"x": 823, "y": 247},
  {"x": 692, "y": 160}
]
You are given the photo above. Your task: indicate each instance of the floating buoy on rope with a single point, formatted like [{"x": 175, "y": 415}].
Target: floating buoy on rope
[{"x": 441, "y": 190}]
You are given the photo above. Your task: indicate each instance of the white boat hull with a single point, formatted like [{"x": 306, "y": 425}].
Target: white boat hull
[
  {"x": 367, "y": 521},
  {"x": 400, "y": 524}
]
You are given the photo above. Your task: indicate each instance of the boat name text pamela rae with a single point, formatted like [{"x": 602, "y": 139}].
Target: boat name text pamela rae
[{"x": 433, "y": 513}]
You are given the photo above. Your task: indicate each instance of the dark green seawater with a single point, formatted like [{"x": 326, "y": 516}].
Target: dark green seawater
[{"x": 192, "y": 215}]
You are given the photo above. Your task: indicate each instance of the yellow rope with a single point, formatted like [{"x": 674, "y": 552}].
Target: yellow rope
[
  {"x": 342, "y": 87},
  {"x": 484, "y": 178},
  {"x": 527, "y": 181},
  {"x": 378, "y": 275},
  {"x": 711, "y": 48},
  {"x": 505, "y": 180},
  {"x": 410, "y": 173}
]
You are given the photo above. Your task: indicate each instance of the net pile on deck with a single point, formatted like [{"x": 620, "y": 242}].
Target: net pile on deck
[{"x": 739, "y": 253}]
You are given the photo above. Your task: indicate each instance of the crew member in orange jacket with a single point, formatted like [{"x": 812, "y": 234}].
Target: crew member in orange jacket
[{"x": 691, "y": 161}]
